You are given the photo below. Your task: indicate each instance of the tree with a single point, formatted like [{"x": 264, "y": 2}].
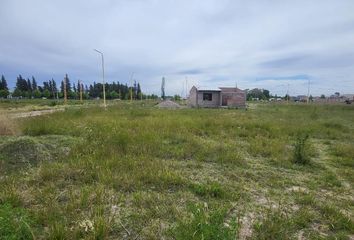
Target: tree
[
  {"x": 113, "y": 94},
  {"x": 34, "y": 84},
  {"x": 29, "y": 85},
  {"x": 4, "y": 91},
  {"x": 3, "y": 83},
  {"x": 53, "y": 88},
  {"x": 266, "y": 93},
  {"x": 134, "y": 90},
  {"x": 46, "y": 93},
  {"x": 139, "y": 93},
  {"x": 258, "y": 93},
  {"x": 22, "y": 87},
  {"x": 37, "y": 93},
  {"x": 79, "y": 87},
  {"x": 68, "y": 85},
  {"x": 323, "y": 96},
  {"x": 17, "y": 93}
]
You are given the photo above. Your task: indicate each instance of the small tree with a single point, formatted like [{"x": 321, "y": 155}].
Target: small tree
[
  {"x": 3, "y": 83},
  {"x": 37, "y": 93},
  {"x": 46, "y": 93},
  {"x": 176, "y": 97},
  {"x": 17, "y": 93},
  {"x": 113, "y": 94},
  {"x": 4, "y": 93}
]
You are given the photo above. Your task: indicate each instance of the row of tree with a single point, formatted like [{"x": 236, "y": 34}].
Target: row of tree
[
  {"x": 259, "y": 94},
  {"x": 28, "y": 88}
]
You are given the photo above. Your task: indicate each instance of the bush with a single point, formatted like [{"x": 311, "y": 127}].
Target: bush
[
  {"x": 301, "y": 153},
  {"x": 52, "y": 103}
]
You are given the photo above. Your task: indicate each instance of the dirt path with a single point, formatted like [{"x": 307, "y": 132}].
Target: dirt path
[{"x": 33, "y": 113}]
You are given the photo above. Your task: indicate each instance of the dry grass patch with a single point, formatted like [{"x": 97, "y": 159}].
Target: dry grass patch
[{"x": 8, "y": 126}]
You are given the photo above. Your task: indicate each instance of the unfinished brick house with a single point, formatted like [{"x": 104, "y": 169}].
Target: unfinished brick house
[{"x": 218, "y": 97}]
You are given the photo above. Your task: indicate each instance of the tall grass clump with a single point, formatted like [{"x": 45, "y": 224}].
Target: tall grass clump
[
  {"x": 7, "y": 126},
  {"x": 214, "y": 190},
  {"x": 205, "y": 225},
  {"x": 301, "y": 150}
]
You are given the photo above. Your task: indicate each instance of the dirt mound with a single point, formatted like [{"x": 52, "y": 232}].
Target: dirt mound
[
  {"x": 26, "y": 151},
  {"x": 168, "y": 104}
]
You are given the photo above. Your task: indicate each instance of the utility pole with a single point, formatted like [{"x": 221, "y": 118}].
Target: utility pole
[
  {"x": 308, "y": 91},
  {"x": 65, "y": 94},
  {"x": 104, "y": 84},
  {"x": 163, "y": 88},
  {"x": 186, "y": 87},
  {"x": 53, "y": 89},
  {"x": 287, "y": 93},
  {"x": 131, "y": 88},
  {"x": 80, "y": 91}
]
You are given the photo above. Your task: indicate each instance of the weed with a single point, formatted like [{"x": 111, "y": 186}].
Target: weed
[
  {"x": 336, "y": 220},
  {"x": 329, "y": 179},
  {"x": 205, "y": 224},
  {"x": 274, "y": 225},
  {"x": 213, "y": 189},
  {"x": 301, "y": 154}
]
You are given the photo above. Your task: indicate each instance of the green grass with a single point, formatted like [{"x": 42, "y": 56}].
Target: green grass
[
  {"x": 137, "y": 172},
  {"x": 15, "y": 223}
]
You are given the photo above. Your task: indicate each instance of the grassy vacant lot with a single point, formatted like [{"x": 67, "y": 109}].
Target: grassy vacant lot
[{"x": 136, "y": 172}]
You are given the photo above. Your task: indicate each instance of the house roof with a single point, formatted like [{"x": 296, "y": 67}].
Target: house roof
[
  {"x": 348, "y": 95},
  {"x": 231, "y": 89},
  {"x": 218, "y": 89},
  {"x": 208, "y": 89}
]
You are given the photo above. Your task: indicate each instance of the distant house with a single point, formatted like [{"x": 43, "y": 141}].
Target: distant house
[
  {"x": 302, "y": 98},
  {"x": 348, "y": 96},
  {"x": 217, "y": 97}
]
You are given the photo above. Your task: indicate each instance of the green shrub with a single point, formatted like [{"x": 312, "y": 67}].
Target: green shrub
[
  {"x": 301, "y": 152},
  {"x": 52, "y": 103}
]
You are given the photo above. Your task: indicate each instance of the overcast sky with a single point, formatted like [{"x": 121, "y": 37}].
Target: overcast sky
[{"x": 266, "y": 43}]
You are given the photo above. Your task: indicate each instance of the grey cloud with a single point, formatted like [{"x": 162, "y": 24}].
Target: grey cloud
[
  {"x": 190, "y": 71},
  {"x": 283, "y": 62},
  {"x": 213, "y": 42}
]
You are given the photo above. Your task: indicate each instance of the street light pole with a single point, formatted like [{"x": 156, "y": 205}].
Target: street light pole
[{"x": 104, "y": 85}]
